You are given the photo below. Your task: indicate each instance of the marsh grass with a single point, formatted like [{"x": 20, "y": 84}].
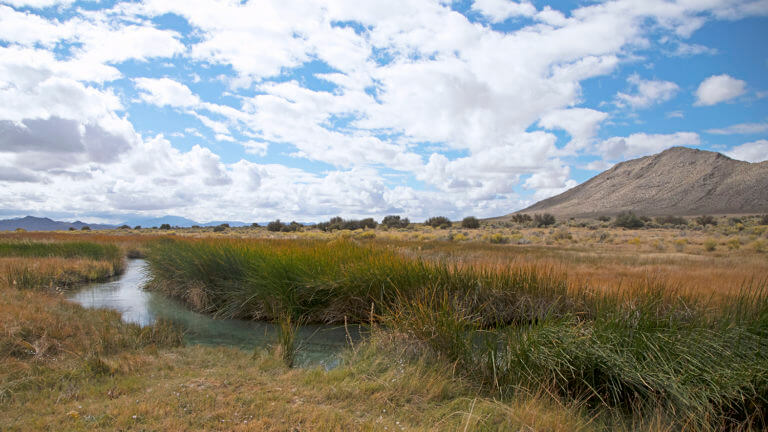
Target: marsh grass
[
  {"x": 648, "y": 348},
  {"x": 326, "y": 281},
  {"x": 52, "y": 274}
]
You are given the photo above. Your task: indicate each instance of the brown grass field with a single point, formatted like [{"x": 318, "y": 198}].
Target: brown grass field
[{"x": 66, "y": 368}]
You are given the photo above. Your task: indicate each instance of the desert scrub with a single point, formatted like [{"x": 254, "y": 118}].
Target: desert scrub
[
  {"x": 733, "y": 243},
  {"x": 498, "y": 238},
  {"x": 710, "y": 245}
]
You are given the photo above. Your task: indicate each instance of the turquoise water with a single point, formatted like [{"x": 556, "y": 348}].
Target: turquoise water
[{"x": 318, "y": 344}]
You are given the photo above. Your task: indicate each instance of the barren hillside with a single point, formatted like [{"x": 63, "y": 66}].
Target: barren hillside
[{"x": 677, "y": 181}]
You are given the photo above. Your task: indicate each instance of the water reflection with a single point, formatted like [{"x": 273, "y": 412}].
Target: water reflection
[{"x": 319, "y": 344}]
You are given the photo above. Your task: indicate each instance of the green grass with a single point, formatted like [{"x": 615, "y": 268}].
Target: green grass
[
  {"x": 90, "y": 250},
  {"x": 510, "y": 330},
  {"x": 328, "y": 281}
]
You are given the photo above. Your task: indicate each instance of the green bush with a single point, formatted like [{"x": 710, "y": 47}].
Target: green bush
[
  {"x": 393, "y": 221},
  {"x": 165, "y": 226},
  {"x": 705, "y": 220},
  {"x": 671, "y": 220},
  {"x": 338, "y": 223},
  {"x": 628, "y": 220},
  {"x": 470, "y": 222},
  {"x": 275, "y": 226},
  {"x": 542, "y": 220},
  {"x": 438, "y": 222},
  {"x": 521, "y": 218}
]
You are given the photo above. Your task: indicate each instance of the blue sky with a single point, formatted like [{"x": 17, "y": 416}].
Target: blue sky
[{"x": 308, "y": 109}]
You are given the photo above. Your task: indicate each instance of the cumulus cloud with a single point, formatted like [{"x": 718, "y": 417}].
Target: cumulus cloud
[
  {"x": 647, "y": 92},
  {"x": 719, "y": 88},
  {"x": 383, "y": 96},
  {"x": 501, "y": 10},
  {"x": 641, "y": 144},
  {"x": 38, "y": 3},
  {"x": 756, "y": 151},
  {"x": 580, "y": 123},
  {"x": 165, "y": 91}
]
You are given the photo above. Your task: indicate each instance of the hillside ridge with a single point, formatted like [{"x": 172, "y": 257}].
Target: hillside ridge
[{"x": 678, "y": 181}]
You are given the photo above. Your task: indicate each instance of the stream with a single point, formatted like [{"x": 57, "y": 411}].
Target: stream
[{"x": 319, "y": 345}]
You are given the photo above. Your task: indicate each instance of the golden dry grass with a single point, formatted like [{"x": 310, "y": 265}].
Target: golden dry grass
[{"x": 66, "y": 368}]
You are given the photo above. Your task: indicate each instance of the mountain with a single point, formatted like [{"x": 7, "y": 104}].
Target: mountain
[
  {"x": 149, "y": 222},
  {"x": 31, "y": 223},
  {"x": 177, "y": 221},
  {"x": 678, "y": 181},
  {"x": 230, "y": 223}
]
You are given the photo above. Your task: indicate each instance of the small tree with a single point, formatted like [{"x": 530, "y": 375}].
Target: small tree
[
  {"x": 137, "y": 227},
  {"x": 438, "y": 222},
  {"x": 470, "y": 222},
  {"x": 628, "y": 220},
  {"x": 521, "y": 218},
  {"x": 393, "y": 221},
  {"x": 292, "y": 227},
  {"x": 542, "y": 220},
  {"x": 255, "y": 225},
  {"x": 124, "y": 227},
  {"x": 220, "y": 228},
  {"x": 85, "y": 228},
  {"x": 165, "y": 226},
  {"x": 275, "y": 226},
  {"x": 368, "y": 223}
]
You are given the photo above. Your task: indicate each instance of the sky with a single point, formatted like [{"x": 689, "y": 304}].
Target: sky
[{"x": 308, "y": 109}]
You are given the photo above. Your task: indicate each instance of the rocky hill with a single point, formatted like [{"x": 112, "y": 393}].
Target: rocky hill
[{"x": 678, "y": 181}]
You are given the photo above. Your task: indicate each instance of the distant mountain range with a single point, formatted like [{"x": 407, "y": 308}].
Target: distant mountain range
[
  {"x": 679, "y": 181},
  {"x": 32, "y": 223},
  {"x": 176, "y": 221}
]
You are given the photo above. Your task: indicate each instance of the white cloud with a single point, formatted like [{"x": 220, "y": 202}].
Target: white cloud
[
  {"x": 256, "y": 147},
  {"x": 38, "y": 3},
  {"x": 581, "y": 123},
  {"x": 683, "y": 49},
  {"x": 648, "y": 92},
  {"x": 413, "y": 91},
  {"x": 742, "y": 128},
  {"x": 641, "y": 144},
  {"x": 756, "y": 151},
  {"x": 719, "y": 88},
  {"x": 165, "y": 91},
  {"x": 501, "y": 10}
]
